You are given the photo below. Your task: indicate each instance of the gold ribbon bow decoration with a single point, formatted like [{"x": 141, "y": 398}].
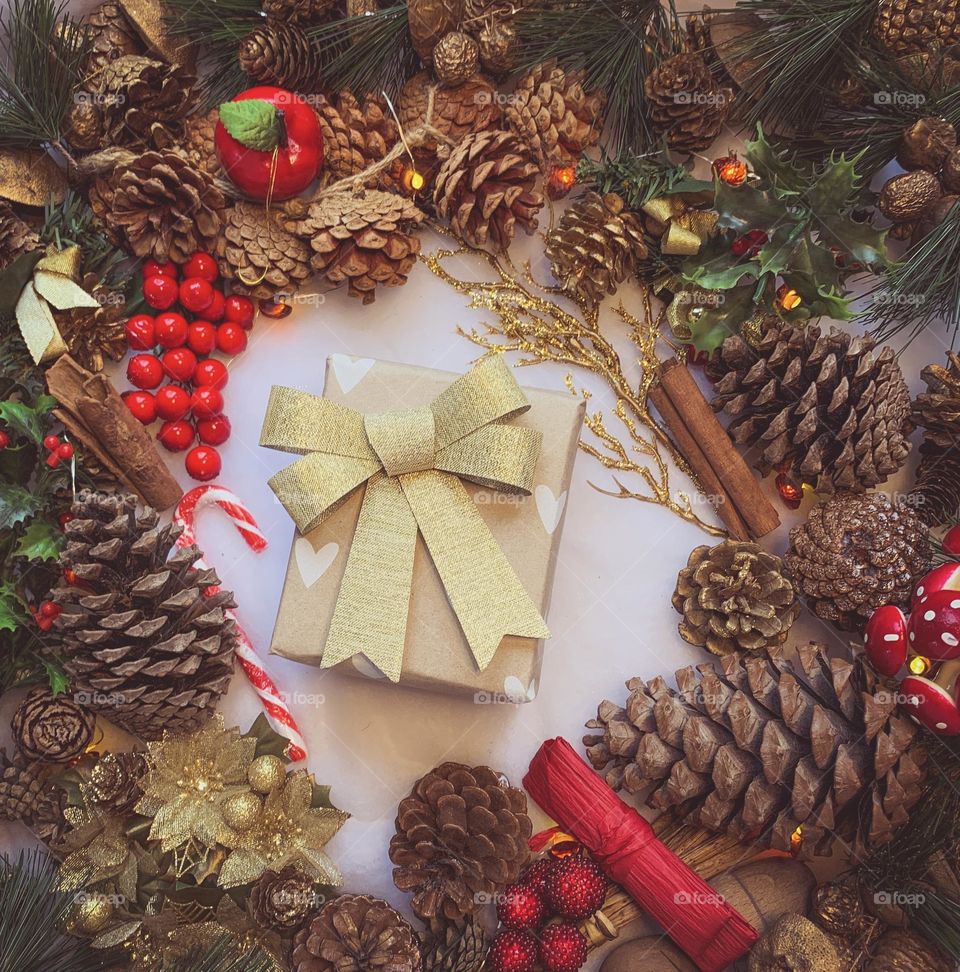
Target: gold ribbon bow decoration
[
  {"x": 412, "y": 463},
  {"x": 683, "y": 228}
]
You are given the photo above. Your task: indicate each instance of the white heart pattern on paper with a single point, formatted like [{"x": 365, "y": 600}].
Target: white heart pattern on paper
[
  {"x": 515, "y": 692},
  {"x": 549, "y": 507},
  {"x": 350, "y": 371},
  {"x": 312, "y": 563}
]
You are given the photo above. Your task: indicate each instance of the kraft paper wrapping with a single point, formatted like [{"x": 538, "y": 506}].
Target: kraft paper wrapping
[{"x": 436, "y": 655}]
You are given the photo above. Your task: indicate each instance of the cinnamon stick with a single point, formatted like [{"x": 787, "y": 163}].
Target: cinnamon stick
[
  {"x": 94, "y": 414},
  {"x": 713, "y": 456}
]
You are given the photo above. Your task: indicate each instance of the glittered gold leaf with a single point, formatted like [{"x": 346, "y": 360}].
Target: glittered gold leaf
[{"x": 147, "y": 16}]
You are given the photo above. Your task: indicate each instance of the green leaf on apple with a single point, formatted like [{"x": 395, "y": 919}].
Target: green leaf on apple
[{"x": 254, "y": 123}]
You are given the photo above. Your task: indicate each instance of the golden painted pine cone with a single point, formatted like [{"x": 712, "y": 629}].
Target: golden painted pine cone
[
  {"x": 735, "y": 596},
  {"x": 356, "y": 933},
  {"x": 497, "y": 44},
  {"x": 363, "y": 239},
  {"x": 139, "y": 638},
  {"x": 855, "y": 553},
  {"x": 197, "y": 142},
  {"x": 553, "y": 115},
  {"x": 281, "y": 900},
  {"x": 937, "y": 412},
  {"x": 55, "y": 730},
  {"x": 112, "y": 36},
  {"x": 456, "y": 58},
  {"x": 828, "y": 408},
  {"x": 95, "y": 333},
  {"x": 429, "y": 20},
  {"x": 597, "y": 245},
  {"x": 302, "y": 13},
  {"x": 27, "y": 794},
  {"x": 687, "y": 106},
  {"x": 159, "y": 206},
  {"x": 757, "y": 746},
  {"x": 917, "y": 26},
  {"x": 280, "y": 54},
  {"x": 259, "y": 255},
  {"x": 16, "y": 236},
  {"x": 461, "y": 836},
  {"x": 114, "y": 783},
  {"x": 455, "y": 947},
  {"x": 486, "y": 188},
  {"x": 355, "y": 136}
]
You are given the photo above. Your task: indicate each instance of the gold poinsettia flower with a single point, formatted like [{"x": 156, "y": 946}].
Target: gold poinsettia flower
[
  {"x": 187, "y": 780},
  {"x": 289, "y": 830},
  {"x": 97, "y": 849}
]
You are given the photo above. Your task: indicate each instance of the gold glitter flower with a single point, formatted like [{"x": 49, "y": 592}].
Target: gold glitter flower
[
  {"x": 97, "y": 849},
  {"x": 289, "y": 830}
]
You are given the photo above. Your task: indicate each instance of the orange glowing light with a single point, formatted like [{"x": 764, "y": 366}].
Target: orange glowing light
[
  {"x": 919, "y": 665},
  {"x": 560, "y": 181},
  {"x": 731, "y": 170},
  {"x": 789, "y": 299},
  {"x": 790, "y": 492},
  {"x": 796, "y": 840},
  {"x": 413, "y": 181},
  {"x": 275, "y": 309}
]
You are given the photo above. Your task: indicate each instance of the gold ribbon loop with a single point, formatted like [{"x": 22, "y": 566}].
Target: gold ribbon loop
[
  {"x": 405, "y": 442},
  {"x": 684, "y": 228}
]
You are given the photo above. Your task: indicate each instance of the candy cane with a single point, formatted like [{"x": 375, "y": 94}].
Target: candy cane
[{"x": 185, "y": 515}]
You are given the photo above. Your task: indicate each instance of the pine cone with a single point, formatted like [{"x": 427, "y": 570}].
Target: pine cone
[
  {"x": 356, "y": 136},
  {"x": 461, "y": 835},
  {"x": 756, "y": 746},
  {"x": 197, "y": 143},
  {"x": 486, "y": 187},
  {"x": 497, "y": 43},
  {"x": 159, "y": 206},
  {"x": 597, "y": 245},
  {"x": 83, "y": 127},
  {"x": 92, "y": 333},
  {"x": 855, "y": 553},
  {"x": 139, "y": 638},
  {"x": 902, "y": 950},
  {"x": 937, "y": 412},
  {"x": 455, "y": 58},
  {"x": 827, "y": 408},
  {"x": 302, "y": 13},
  {"x": 55, "y": 730},
  {"x": 735, "y": 596},
  {"x": 111, "y": 36},
  {"x": 917, "y": 26},
  {"x": 429, "y": 20},
  {"x": 281, "y": 54},
  {"x": 356, "y": 933},
  {"x": 259, "y": 254},
  {"x": 28, "y": 795},
  {"x": 114, "y": 784},
  {"x": 553, "y": 115},
  {"x": 687, "y": 106},
  {"x": 16, "y": 236},
  {"x": 362, "y": 239},
  {"x": 281, "y": 900},
  {"x": 455, "y": 947},
  {"x": 722, "y": 40}
]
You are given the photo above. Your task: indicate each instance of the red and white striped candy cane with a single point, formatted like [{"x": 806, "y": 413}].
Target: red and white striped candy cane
[{"x": 185, "y": 515}]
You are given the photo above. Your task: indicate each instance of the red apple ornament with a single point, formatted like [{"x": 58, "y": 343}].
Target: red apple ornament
[{"x": 269, "y": 143}]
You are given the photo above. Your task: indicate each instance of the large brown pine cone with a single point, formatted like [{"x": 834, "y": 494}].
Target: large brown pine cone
[
  {"x": 159, "y": 206},
  {"x": 461, "y": 835},
  {"x": 362, "y": 239},
  {"x": 356, "y": 135},
  {"x": 139, "y": 638},
  {"x": 281, "y": 900},
  {"x": 917, "y": 26},
  {"x": 486, "y": 188},
  {"x": 757, "y": 746},
  {"x": 687, "y": 106},
  {"x": 722, "y": 40},
  {"x": 53, "y": 729},
  {"x": 553, "y": 115},
  {"x": 16, "y": 236},
  {"x": 303, "y": 13},
  {"x": 828, "y": 408},
  {"x": 27, "y": 794},
  {"x": 855, "y": 553},
  {"x": 937, "y": 412},
  {"x": 93, "y": 333},
  {"x": 281, "y": 54},
  {"x": 197, "y": 142},
  {"x": 735, "y": 596},
  {"x": 114, "y": 782},
  {"x": 356, "y": 933}
]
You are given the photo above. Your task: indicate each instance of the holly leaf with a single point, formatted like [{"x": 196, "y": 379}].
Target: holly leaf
[
  {"x": 861, "y": 242},
  {"x": 57, "y": 677},
  {"x": 835, "y": 188},
  {"x": 776, "y": 168},
  {"x": 721, "y": 318},
  {"x": 27, "y": 420},
  {"x": 716, "y": 268},
  {"x": 42, "y": 540},
  {"x": 12, "y": 610},
  {"x": 254, "y": 123},
  {"x": 818, "y": 299},
  {"x": 777, "y": 254},
  {"x": 744, "y": 207},
  {"x": 16, "y": 505},
  {"x": 269, "y": 741},
  {"x": 17, "y": 463}
]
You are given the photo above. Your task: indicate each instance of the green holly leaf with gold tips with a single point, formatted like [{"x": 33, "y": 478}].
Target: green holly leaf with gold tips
[
  {"x": 776, "y": 168},
  {"x": 253, "y": 122},
  {"x": 42, "y": 540},
  {"x": 861, "y": 242}
]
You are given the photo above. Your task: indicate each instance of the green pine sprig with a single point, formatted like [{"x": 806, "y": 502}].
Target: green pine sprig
[
  {"x": 638, "y": 178},
  {"x": 225, "y": 955}
]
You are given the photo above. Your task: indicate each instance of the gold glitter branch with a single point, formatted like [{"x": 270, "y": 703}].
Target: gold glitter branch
[{"x": 529, "y": 322}]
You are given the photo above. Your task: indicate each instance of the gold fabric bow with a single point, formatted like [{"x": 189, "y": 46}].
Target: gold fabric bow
[
  {"x": 412, "y": 462},
  {"x": 685, "y": 229}
]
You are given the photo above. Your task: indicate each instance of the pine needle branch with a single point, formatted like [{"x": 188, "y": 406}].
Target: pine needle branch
[
  {"x": 637, "y": 178},
  {"x": 224, "y": 956}
]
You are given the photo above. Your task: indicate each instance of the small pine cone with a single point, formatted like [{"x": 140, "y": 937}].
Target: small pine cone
[
  {"x": 553, "y": 115},
  {"x": 937, "y": 412},
  {"x": 159, "y": 206},
  {"x": 281, "y": 900},
  {"x": 55, "y": 730},
  {"x": 497, "y": 43},
  {"x": 793, "y": 941},
  {"x": 461, "y": 835},
  {"x": 198, "y": 143},
  {"x": 687, "y": 106},
  {"x": 455, "y": 947},
  {"x": 902, "y": 950},
  {"x": 111, "y": 36},
  {"x": 16, "y": 236},
  {"x": 917, "y": 26},
  {"x": 114, "y": 783},
  {"x": 362, "y": 239},
  {"x": 429, "y": 20},
  {"x": 455, "y": 58},
  {"x": 28, "y": 795},
  {"x": 838, "y": 908},
  {"x": 597, "y": 245},
  {"x": 827, "y": 408},
  {"x": 486, "y": 187},
  {"x": 94, "y": 333},
  {"x": 301, "y": 13},
  {"x": 281, "y": 54},
  {"x": 735, "y": 596},
  {"x": 356, "y": 933},
  {"x": 259, "y": 254},
  {"x": 355, "y": 136},
  {"x": 84, "y": 126},
  {"x": 855, "y": 553}
]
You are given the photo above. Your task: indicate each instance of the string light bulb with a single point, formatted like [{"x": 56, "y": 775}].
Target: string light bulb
[
  {"x": 919, "y": 665},
  {"x": 788, "y": 298},
  {"x": 413, "y": 181},
  {"x": 275, "y": 309}
]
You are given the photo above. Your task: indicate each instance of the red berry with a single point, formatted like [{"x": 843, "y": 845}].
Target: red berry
[
  {"x": 51, "y": 442},
  {"x": 180, "y": 364},
  {"x": 519, "y": 906},
  {"x": 206, "y": 401},
  {"x": 201, "y": 265},
  {"x": 231, "y": 338},
  {"x": 142, "y": 405},
  {"x": 239, "y": 310},
  {"x": 173, "y": 402},
  {"x": 214, "y": 431},
  {"x": 176, "y": 436},
  {"x": 160, "y": 291},
  {"x": 63, "y": 519},
  {"x": 535, "y": 876},
  {"x": 53, "y": 460},
  {"x": 196, "y": 294},
  {"x": 151, "y": 268},
  {"x": 140, "y": 332},
  {"x": 70, "y": 576},
  {"x": 211, "y": 372},
  {"x": 575, "y": 888},
  {"x": 171, "y": 330},
  {"x": 562, "y": 948},
  {"x": 4, "y": 440},
  {"x": 512, "y": 951},
  {"x": 49, "y": 610},
  {"x": 203, "y": 463},
  {"x": 65, "y": 451},
  {"x": 144, "y": 371},
  {"x": 217, "y": 306},
  {"x": 740, "y": 246},
  {"x": 201, "y": 337},
  {"x": 44, "y": 624}
]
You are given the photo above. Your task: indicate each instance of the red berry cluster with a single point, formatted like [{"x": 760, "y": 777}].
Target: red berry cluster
[
  {"x": 175, "y": 350},
  {"x": 539, "y": 915},
  {"x": 45, "y": 614},
  {"x": 57, "y": 450},
  {"x": 749, "y": 244}
]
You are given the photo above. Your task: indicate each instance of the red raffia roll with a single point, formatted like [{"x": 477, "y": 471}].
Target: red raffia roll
[{"x": 712, "y": 933}]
